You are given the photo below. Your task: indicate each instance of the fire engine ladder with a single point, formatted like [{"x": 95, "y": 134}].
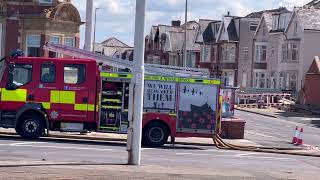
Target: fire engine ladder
[{"x": 123, "y": 64}]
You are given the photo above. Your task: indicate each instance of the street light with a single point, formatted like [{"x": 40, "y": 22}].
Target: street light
[{"x": 94, "y": 31}]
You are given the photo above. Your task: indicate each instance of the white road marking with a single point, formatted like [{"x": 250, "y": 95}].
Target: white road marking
[
  {"x": 258, "y": 134},
  {"x": 183, "y": 153},
  {"x": 25, "y": 143},
  {"x": 244, "y": 154},
  {"x": 56, "y": 147}
]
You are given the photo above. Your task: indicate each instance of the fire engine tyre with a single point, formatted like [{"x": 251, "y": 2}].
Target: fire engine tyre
[
  {"x": 155, "y": 135},
  {"x": 30, "y": 126}
]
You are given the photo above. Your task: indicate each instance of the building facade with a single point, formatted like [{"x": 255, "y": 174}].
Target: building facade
[{"x": 29, "y": 24}]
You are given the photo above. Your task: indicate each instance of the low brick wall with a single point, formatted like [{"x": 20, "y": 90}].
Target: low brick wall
[{"x": 232, "y": 128}]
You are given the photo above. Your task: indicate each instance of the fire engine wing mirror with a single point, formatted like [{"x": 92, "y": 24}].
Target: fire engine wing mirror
[{"x": 10, "y": 85}]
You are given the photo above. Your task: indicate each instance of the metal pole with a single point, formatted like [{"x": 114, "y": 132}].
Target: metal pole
[
  {"x": 88, "y": 35},
  {"x": 185, "y": 36},
  {"x": 94, "y": 30},
  {"x": 134, "y": 153}
]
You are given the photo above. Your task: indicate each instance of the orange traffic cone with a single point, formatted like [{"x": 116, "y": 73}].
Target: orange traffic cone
[
  {"x": 300, "y": 140},
  {"x": 295, "y": 136}
]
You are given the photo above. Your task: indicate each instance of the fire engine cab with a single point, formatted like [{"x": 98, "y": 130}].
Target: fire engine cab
[{"x": 73, "y": 95}]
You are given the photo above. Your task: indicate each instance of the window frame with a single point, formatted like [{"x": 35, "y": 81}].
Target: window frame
[
  {"x": 75, "y": 66},
  {"x": 55, "y": 70},
  {"x": 205, "y": 54},
  {"x": 70, "y": 38},
  {"x": 45, "y": 1},
  {"x": 252, "y": 24},
  {"x": 30, "y": 79},
  {"x": 32, "y": 46}
]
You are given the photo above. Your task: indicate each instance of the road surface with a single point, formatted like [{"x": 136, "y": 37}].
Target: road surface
[
  {"x": 276, "y": 131},
  {"x": 67, "y": 160}
]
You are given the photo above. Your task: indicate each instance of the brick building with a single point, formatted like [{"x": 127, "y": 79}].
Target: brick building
[{"x": 28, "y": 24}]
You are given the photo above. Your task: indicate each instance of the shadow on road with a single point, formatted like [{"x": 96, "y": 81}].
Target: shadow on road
[{"x": 189, "y": 146}]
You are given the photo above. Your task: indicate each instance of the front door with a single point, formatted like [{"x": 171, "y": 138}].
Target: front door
[{"x": 74, "y": 93}]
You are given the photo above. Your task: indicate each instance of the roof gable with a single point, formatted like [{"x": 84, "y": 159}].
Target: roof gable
[
  {"x": 114, "y": 42},
  {"x": 228, "y": 30},
  {"x": 315, "y": 66}
]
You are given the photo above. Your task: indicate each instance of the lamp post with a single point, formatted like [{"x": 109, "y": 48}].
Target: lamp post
[
  {"x": 95, "y": 27},
  {"x": 137, "y": 83},
  {"x": 185, "y": 37}
]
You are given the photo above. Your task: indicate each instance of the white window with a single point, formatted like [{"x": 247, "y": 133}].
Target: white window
[
  {"x": 244, "y": 79},
  {"x": 191, "y": 60},
  {"x": 294, "y": 52},
  {"x": 290, "y": 53},
  {"x": 69, "y": 41},
  {"x": 228, "y": 78},
  {"x": 253, "y": 27},
  {"x": 246, "y": 53},
  {"x": 205, "y": 54},
  {"x": 288, "y": 80},
  {"x": 228, "y": 53},
  {"x": 273, "y": 80},
  {"x": 261, "y": 53},
  {"x": 45, "y": 1},
  {"x": 173, "y": 60},
  {"x": 33, "y": 45},
  {"x": 54, "y": 40},
  {"x": 261, "y": 80},
  {"x": 275, "y": 21},
  {"x": 295, "y": 30}
]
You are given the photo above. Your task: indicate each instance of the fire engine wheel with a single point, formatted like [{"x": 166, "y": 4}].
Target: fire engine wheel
[
  {"x": 30, "y": 126},
  {"x": 155, "y": 135}
]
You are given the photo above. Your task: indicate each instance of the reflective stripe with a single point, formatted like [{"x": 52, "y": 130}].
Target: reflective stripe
[
  {"x": 90, "y": 107},
  {"x": 67, "y": 97},
  {"x": 46, "y": 105},
  {"x": 163, "y": 78},
  {"x": 84, "y": 107},
  {"x": 18, "y": 95},
  {"x": 112, "y": 100},
  {"x": 55, "y": 97},
  {"x": 81, "y": 107},
  {"x": 111, "y": 107},
  {"x": 115, "y": 75}
]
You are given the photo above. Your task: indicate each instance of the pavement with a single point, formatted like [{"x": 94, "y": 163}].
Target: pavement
[{"x": 22, "y": 159}]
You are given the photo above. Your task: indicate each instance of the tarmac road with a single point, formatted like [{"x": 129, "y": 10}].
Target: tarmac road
[
  {"x": 270, "y": 131},
  {"x": 21, "y": 159}
]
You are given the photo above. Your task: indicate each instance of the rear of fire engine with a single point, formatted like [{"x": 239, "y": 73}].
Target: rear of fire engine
[{"x": 39, "y": 94}]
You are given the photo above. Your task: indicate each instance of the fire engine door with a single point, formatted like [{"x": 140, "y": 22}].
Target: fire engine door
[
  {"x": 47, "y": 87},
  {"x": 74, "y": 93}
]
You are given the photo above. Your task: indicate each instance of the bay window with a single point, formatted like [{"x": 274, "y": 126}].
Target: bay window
[{"x": 260, "y": 80}]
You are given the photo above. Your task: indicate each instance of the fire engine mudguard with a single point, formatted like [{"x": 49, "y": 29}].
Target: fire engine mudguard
[{"x": 31, "y": 115}]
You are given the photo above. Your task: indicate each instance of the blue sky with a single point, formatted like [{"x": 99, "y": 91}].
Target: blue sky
[{"x": 116, "y": 17}]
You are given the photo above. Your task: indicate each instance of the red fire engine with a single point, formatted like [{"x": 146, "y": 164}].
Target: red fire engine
[{"x": 73, "y": 95}]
